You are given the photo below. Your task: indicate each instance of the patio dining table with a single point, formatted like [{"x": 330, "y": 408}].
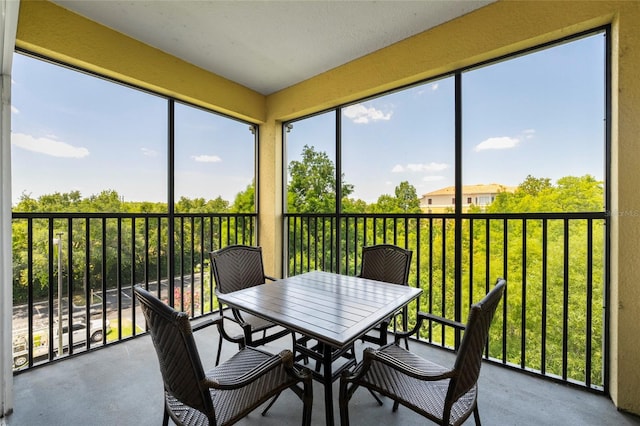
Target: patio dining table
[{"x": 332, "y": 309}]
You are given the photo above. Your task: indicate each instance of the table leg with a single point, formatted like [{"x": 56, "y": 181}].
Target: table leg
[{"x": 328, "y": 384}]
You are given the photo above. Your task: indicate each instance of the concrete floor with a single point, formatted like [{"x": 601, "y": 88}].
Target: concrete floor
[{"x": 121, "y": 385}]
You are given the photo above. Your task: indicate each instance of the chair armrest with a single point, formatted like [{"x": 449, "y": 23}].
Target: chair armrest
[
  {"x": 267, "y": 277},
  {"x": 425, "y": 316},
  {"x": 284, "y": 358},
  {"x": 444, "y": 321},
  {"x": 218, "y": 321},
  {"x": 370, "y": 355},
  {"x": 204, "y": 324}
]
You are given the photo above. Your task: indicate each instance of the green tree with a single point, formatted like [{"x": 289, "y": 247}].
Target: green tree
[
  {"x": 407, "y": 198},
  {"x": 218, "y": 205},
  {"x": 385, "y": 204},
  {"x": 405, "y": 201},
  {"x": 107, "y": 201},
  {"x": 534, "y": 186},
  {"x": 312, "y": 186},
  {"x": 26, "y": 204},
  {"x": 351, "y": 205},
  {"x": 570, "y": 194},
  {"x": 245, "y": 200}
]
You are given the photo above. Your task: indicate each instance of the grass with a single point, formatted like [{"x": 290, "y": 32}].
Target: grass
[{"x": 127, "y": 330}]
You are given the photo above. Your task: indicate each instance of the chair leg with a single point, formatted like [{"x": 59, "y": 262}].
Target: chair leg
[
  {"x": 343, "y": 403},
  {"x": 165, "y": 418},
  {"x": 264, "y": 412},
  {"x": 307, "y": 402},
  {"x": 219, "y": 350},
  {"x": 396, "y": 404},
  {"x": 476, "y": 415},
  {"x": 375, "y": 396}
]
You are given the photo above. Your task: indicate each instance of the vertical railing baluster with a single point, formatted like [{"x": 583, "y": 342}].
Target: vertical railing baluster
[
  {"x": 487, "y": 256},
  {"x": 523, "y": 313},
  {"x": 589, "y": 302},
  {"x": 51, "y": 287},
  {"x": 315, "y": 242},
  {"x": 87, "y": 282},
  {"x": 30, "y": 301},
  {"x": 181, "y": 240},
  {"x": 235, "y": 228},
  {"x": 70, "y": 283},
  {"x": 103, "y": 263},
  {"x": 505, "y": 297},
  {"x": 322, "y": 243},
  {"x": 471, "y": 234},
  {"x": 443, "y": 284},
  {"x": 146, "y": 256},
  {"x": 202, "y": 262},
  {"x": 346, "y": 251},
  {"x": 159, "y": 257},
  {"x": 309, "y": 251},
  {"x": 431, "y": 277},
  {"x": 296, "y": 251},
  {"x": 543, "y": 325},
  {"x": 565, "y": 300},
  {"x": 133, "y": 271},
  {"x": 417, "y": 258}
]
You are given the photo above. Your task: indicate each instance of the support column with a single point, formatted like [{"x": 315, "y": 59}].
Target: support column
[
  {"x": 9, "y": 15},
  {"x": 270, "y": 193}
]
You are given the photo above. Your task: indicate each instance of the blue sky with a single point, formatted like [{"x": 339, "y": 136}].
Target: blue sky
[
  {"x": 541, "y": 114},
  {"x": 71, "y": 131}
]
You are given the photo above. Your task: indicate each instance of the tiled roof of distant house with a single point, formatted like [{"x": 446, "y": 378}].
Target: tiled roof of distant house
[{"x": 492, "y": 188}]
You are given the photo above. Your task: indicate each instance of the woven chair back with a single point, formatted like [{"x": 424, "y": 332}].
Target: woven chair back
[
  {"x": 474, "y": 341},
  {"x": 236, "y": 267},
  {"x": 386, "y": 262},
  {"x": 175, "y": 346}
]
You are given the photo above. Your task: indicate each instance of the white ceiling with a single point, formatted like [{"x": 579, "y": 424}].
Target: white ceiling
[{"x": 269, "y": 45}]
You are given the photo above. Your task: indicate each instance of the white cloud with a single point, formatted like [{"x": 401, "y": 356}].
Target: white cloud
[
  {"x": 48, "y": 146},
  {"x": 432, "y": 178},
  {"x": 430, "y": 87},
  {"x": 361, "y": 114},
  {"x": 429, "y": 168},
  {"x": 503, "y": 142},
  {"x": 148, "y": 152},
  {"x": 529, "y": 133},
  {"x": 206, "y": 158},
  {"x": 14, "y": 110}
]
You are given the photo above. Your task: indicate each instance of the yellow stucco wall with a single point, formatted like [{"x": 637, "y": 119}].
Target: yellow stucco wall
[{"x": 497, "y": 29}]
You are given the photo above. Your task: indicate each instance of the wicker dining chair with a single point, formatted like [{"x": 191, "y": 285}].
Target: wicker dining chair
[
  {"x": 237, "y": 267},
  {"x": 228, "y": 392},
  {"x": 389, "y": 263},
  {"x": 447, "y": 396}
]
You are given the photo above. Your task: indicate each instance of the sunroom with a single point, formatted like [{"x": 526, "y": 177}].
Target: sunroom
[{"x": 456, "y": 251}]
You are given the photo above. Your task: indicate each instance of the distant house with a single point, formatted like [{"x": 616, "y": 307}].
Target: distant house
[{"x": 443, "y": 200}]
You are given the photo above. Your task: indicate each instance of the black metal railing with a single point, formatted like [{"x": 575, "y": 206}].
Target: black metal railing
[
  {"x": 553, "y": 320},
  {"x": 73, "y": 274},
  {"x": 552, "y": 324}
]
